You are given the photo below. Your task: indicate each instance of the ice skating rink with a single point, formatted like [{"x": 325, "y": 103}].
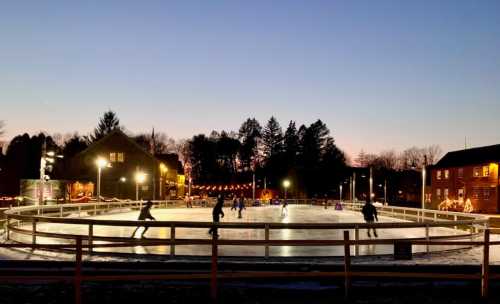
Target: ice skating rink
[{"x": 296, "y": 214}]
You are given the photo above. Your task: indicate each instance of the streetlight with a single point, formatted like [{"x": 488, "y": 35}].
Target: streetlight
[
  {"x": 340, "y": 188},
  {"x": 101, "y": 163},
  {"x": 286, "y": 184},
  {"x": 140, "y": 177},
  {"x": 47, "y": 158},
  {"x": 423, "y": 181},
  {"x": 163, "y": 171},
  {"x": 371, "y": 185}
]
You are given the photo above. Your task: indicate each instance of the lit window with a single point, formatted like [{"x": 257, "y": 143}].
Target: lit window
[
  {"x": 112, "y": 157},
  {"x": 486, "y": 193},
  {"x": 438, "y": 174},
  {"x": 460, "y": 172},
  {"x": 438, "y": 193},
  {"x": 446, "y": 174},
  {"x": 121, "y": 157},
  {"x": 445, "y": 193},
  {"x": 477, "y": 171},
  {"x": 486, "y": 171}
]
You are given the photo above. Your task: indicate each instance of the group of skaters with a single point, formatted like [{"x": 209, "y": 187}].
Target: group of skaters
[{"x": 369, "y": 214}]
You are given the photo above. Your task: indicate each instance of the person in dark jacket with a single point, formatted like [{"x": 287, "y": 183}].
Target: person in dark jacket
[
  {"x": 216, "y": 214},
  {"x": 241, "y": 205},
  {"x": 370, "y": 214},
  {"x": 144, "y": 215}
]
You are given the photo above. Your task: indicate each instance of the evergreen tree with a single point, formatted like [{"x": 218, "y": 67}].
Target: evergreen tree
[
  {"x": 272, "y": 139},
  {"x": 73, "y": 146},
  {"x": 250, "y": 134},
  {"x": 291, "y": 144},
  {"x": 107, "y": 123}
]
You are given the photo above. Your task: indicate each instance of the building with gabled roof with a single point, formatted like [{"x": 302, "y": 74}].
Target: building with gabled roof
[
  {"x": 467, "y": 180},
  {"x": 164, "y": 173}
]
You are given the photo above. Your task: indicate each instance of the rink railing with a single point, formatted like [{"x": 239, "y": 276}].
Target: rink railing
[
  {"x": 214, "y": 275},
  {"x": 19, "y": 220},
  {"x": 24, "y": 221}
]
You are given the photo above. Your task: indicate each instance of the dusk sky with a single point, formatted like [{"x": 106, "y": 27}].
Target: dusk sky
[{"x": 381, "y": 74}]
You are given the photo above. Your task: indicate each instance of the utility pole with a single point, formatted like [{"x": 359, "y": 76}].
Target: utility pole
[{"x": 423, "y": 181}]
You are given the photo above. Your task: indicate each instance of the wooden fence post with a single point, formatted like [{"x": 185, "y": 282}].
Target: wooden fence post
[
  {"x": 266, "y": 237},
  {"x": 347, "y": 264},
  {"x": 91, "y": 236},
  {"x": 427, "y": 238},
  {"x": 172, "y": 240},
  {"x": 485, "y": 269},
  {"x": 33, "y": 237},
  {"x": 356, "y": 238},
  {"x": 213, "y": 270},
  {"x": 78, "y": 271}
]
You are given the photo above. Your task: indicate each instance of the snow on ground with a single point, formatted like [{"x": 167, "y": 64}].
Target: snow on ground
[{"x": 302, "y": 214}]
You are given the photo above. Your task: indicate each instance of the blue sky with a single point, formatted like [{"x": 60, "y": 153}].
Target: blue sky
[{"x": 381, "y": 74}]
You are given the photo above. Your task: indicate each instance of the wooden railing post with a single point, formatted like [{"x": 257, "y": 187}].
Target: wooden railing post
[
  {"x": 427, "y": 238},
  {"x": 91, "y": 236},
  {"x": 266, "y": 237},
  {"x": 7, "y": 232},
  {"x": 78, "y": 271},
  {"x": 347, "y": 264},
  {"x": 61, "y": 211},
  {"x": 33, "y": 237},
  {"x": 213, "y": 270},
  {"x": 356, "y": 238},
  {"x": 172, "y": 240},
  {"x": 485, "y": 269}
]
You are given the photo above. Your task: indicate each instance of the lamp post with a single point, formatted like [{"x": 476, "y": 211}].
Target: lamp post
[
  {"x": 340, "y": 195},
  {"x": 140, "y": 177},
  {"x": 286, "y": 184},
  {"x": 354, "y": 186},
  {"x": 101, "y": 163},
  {"x": 46, "y": 159},
  {"x": 385, "y": 191},
  {"x": 371, "y": 184},
  {"x": 423, "y": 181},
  {"x": 163, "y": 172}
]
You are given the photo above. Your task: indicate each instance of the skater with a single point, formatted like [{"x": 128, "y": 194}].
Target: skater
[
  {"x": 284, "y": 208},
  {"x": 216, "y": 212},
  {"x": 144, "y": 215},
  {"x": 241, "y": 206},
  {"x": 370, "y": 214},
  {"x": 235, "y": 203},
  {"x": 326, "y": 202}
]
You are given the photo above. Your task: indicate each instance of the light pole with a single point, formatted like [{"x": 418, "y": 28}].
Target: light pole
[
  {"x": 286, "y": 184},
  {"x": 371, "y": 184},
  {"x": 340, "y": 188},
  {"x": 123, "y": 180},
  {"x": 163, "y": 172},
  {"x": 46, "y": 159},
  {"x": 253, "y": 187},
  {"x": 140, "y": 177},
  {"x": 385, "y": 191},
  {"x": 101, "y": 163},
  {"x": 423, "y": 181},
  {"x": 354, "y": 186}
]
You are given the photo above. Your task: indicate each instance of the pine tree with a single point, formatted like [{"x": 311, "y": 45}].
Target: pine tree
[
  {"x": 107, "y": 123},
  {"x": 291, "y": 143},
  {"x": 272, "y": 138},
  {"x": 250, "y": 134}
]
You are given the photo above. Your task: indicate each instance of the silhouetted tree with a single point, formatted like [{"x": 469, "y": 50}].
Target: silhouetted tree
[
  {"x": 107, "y": 123},
  {"x": 250, "y": 134},
  {"x": 272, "y": 139},
  {"x": 73, "y": 146}
]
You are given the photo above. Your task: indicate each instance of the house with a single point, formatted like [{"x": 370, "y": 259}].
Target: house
[
  {"x": 467, "y": 180},
  {"x": 161, "y": 176}
]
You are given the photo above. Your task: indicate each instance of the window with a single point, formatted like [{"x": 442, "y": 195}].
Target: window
[
  {"x": 445, "y": 193},
  {"x": 446, "y": 174},
  {"x": 112, "y": 157},
  {"x": 438, "y": 193},
  {"x": 121, "y": 157},
  {"x": 460, "y": 172},
  {"x": 475, "y": 192},
  {"x": 486, "y": 171},
  {"x": 477, "y": 171},
  {"x": 486, "y": 193},
  {"x": 438, "y": 174}
]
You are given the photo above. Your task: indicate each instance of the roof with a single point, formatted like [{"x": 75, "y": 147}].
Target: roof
[
  {"x": 172, "y": 160},
  {"x": 474, "y": 156},
  {"x": 119, "y": 132}
]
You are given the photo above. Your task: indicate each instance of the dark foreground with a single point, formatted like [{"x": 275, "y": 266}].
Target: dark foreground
[{"x": 249, "y": 292}]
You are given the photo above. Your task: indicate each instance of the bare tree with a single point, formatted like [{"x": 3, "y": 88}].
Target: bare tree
[
  {"x": 433, "y": 153},
  {"x": 2, "y": 125}
]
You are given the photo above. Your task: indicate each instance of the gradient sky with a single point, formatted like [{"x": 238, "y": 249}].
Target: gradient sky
[{"x": 381, "y": 74}]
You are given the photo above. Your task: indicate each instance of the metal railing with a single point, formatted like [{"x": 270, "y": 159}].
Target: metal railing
[
  {"x": 25, "y": 221},
  {"x": 214, "y": 275}
]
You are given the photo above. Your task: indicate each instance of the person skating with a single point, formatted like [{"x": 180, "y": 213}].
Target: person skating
[
  {"x": 216, "y": 214},
  {"x": 235, "y": 203},
  {"x": 241, "y": 205},
  {"x": 284, "y": 208},
  {"x": 144, "y": 215},
  {"x": 370, "y": 214}
]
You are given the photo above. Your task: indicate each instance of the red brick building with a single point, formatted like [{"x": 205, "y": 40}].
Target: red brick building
[{"x": 467, "y": 180}]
